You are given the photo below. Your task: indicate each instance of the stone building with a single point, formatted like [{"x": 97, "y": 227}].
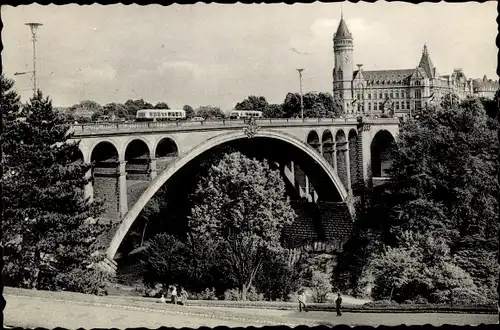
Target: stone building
[
  {"x": 393, "y": 92},
  {"x": 485, "y": 87}
]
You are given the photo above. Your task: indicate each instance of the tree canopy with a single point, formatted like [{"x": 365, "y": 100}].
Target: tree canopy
[
  {"x": 209, "y": 112},
  {"x": 49, "y": 231},
  {"x": 241, "y": 205},
  {"x": 443, "y": 185}
]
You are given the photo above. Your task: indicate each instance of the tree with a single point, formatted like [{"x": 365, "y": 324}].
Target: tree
[
  {"x": 443, "y": 181},
  {"x": 49, "y": 229},
  {"x": 209, "y": 112},
  {"x": 273, "y": 111},
  {"x": 316, "y": 105},
  {"x": 161, "y": 105},
  {"x": 189, "y": 111},
  {"x": 84, "y": 109},
  {"x": 117, "y": 109},
  {"x": 134, "y": 105},
  {"x": 254, "y": 103},
  {"x": 242, "y": 206}
]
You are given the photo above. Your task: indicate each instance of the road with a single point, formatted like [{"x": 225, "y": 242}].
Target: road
[{"x": 32, "y": 312}]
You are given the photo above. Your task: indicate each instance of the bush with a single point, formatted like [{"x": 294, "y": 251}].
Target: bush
[
  {"x": 89, "y": 281},
  {"x": 207, "y": 294},
  {"x": 154, "y": 291},
  {"x": 232, "y": 294},
  {"x": 321, "y": 286},
  {"x": 235, "y": 295},
  {"x": 276, "y": 278},
  {"x": 459, "y": 296},
  {"x": 381, "y": 303}
]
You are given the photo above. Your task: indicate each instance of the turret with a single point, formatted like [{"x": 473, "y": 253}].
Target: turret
[{"x": 343, "y": 67}]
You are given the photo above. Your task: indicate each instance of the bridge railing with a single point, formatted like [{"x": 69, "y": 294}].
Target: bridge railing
[{"x": 176, "y": 125}]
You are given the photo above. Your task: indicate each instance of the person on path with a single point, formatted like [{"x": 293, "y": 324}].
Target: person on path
[
  {"x": 302, "y": 301},
  {"x": 184, "y": 296},
  {"x": 338, "y": 304},
  {"x": 174, "y": 295}
]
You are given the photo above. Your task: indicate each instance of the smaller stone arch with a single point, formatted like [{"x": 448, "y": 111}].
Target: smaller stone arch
[
  {"x": 341, "y": 148},
  {"x": 137, "y": 157},
  {"x": 313, "y": 140},
  {"x": 104, "y": 152},
  {"x": 328, "y": 147},
  {"x": 77, "y": 157},
  {"x": 105, "y": 159},
  {"x": 166, "y": 152},
  {"x": 354, "y": 161},
  {"x": 381, "y": 148}
]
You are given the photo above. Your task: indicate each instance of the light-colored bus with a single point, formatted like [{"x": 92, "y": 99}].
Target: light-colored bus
[
  {"x": 237, "y": 114},
  {"x": 160, "y": 114}
]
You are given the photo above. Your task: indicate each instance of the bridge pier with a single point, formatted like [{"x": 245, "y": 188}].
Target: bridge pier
[
  {"x": 153, "y": 172},
  {"x": 89, "y": 189},
  {"x": 110, "y": 184}
]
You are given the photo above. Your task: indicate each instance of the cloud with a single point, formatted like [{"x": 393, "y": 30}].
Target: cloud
[
  {"x": 98, "y": 73},
  {"x": 322, "y": 27},
  {"x": 182, "y": 66}
]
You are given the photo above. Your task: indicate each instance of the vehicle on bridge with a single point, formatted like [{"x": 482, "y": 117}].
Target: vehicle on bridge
[
  {"x": 238, "y": 114},
  {"x": 160, "y": 114}
]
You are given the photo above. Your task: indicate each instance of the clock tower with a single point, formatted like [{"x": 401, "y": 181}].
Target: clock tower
[{"x": 343, "y": 69}]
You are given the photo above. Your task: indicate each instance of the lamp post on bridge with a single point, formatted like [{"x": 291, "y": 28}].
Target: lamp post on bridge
[
  {"x": 34, "y": 28},
  {"x": 301, "y": 99}
]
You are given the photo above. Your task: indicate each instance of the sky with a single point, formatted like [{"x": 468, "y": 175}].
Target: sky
[{"x": 213, "y": 54}]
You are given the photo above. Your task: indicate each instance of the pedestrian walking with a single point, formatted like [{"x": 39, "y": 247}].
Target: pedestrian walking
[
  {"x": 184, "y": 296},
  {"x": 302, "y": 301},
  {"x": 174, "y": 295},
  {"x": 338, "y": 304}
]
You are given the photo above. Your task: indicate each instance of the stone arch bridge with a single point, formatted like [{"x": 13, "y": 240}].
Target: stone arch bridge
[{"x": 326, "y": 160}]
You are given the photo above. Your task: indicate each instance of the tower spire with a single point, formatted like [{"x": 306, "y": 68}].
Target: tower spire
[{"x": 341, "y": 12}]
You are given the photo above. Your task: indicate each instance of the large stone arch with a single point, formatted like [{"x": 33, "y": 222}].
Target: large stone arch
[
  {"x": 381, "y": 147},
  {"x": 108, "y": 144},
  {"x": 158, "y": 182}
]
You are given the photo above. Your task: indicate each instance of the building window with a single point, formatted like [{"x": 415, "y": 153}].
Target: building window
[
  {"x": 380, "y": 95},
  {"x": 418, "y": 105},
  {"x": 375, "y": 107},
  {"x": 397, "y": 105},
  {"x": 407, "y": 104},
  {"x": 417, "y": 83},
  {"x": 391, "y": 95},
  {"x": 369, "y": 96},
  {"x": 397, "y": 94},
  {"x": 407, "y": 94},
  {"x": 418, "y": 93},
  {"x": 369, "y": 106},
  {"x": 385, "y": 95}
]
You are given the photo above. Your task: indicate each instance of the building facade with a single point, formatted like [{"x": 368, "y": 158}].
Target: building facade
[{"x": 394, "y": 92}]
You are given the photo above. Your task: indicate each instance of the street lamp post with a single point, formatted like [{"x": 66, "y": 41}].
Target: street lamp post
[
  {"x": 301, "y": 99},
  {"x": 34, "y": 28}
]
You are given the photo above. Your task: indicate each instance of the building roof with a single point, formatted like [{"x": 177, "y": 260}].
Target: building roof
[
  {"x": 485, "y": 83},
  {"x": 426, "y": 63},
  {"x": 342, "y": 31},
  {"x": 384, "y": 75}
]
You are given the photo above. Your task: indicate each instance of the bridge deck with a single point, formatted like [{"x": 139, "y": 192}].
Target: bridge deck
[{"x": 138, "y": 127}]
